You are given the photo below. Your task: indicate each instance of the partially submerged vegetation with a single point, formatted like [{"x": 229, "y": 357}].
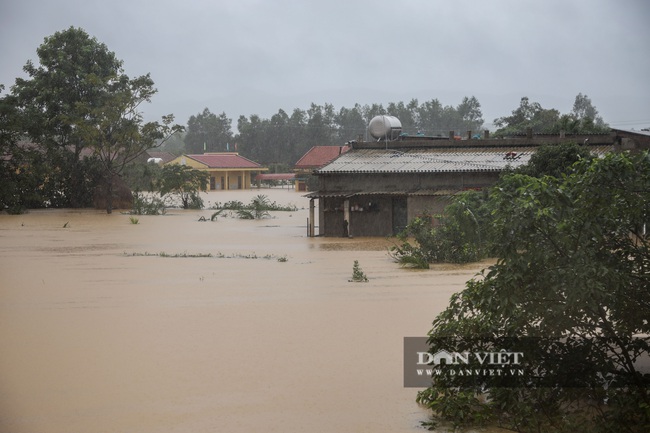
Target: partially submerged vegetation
[
  {"x": 570, "y": 291},
  {"x": 218, "y": 255},
  {"x": 358, "y": 276},
  {"x": 465, "y": 233}
]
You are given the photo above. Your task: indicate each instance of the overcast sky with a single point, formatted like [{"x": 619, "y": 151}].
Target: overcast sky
[{"x": 246, "y": 57}]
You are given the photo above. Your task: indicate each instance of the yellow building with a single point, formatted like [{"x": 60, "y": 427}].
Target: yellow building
[{"x": 227, "y": 170}]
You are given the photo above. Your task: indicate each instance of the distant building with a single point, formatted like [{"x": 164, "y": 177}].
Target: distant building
[
  {"x": 227, "y": 170},
  {"x": 376, "y": 188},
  {"x": 315, "y": 158}
]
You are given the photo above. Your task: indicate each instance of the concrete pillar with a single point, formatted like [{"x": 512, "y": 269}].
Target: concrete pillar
[
  {"x": 469, "y": 135},
  {"x": 486, "y": 134},
  {"x": 451, "y": 135},
  {"x": 529, "y": 133},
  {"x": 312, "y": 225},
  {"x": 346, "y": 216}
]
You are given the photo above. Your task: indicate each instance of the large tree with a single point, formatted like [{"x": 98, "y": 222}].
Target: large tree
[{"x": 79, "y": 103}]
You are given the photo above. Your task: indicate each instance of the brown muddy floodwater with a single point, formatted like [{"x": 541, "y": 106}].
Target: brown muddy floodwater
[{"x": 98, "y": 334}]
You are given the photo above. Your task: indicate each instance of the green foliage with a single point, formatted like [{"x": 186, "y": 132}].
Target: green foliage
[
  {"x": 141, "y": 176},
  {"x": 322, "y": 125},
  {"x": 358, "y": 275},
  {"x": 134, "y": 220},
  {"x": 214, "y": 215},
  {"x": 465, "y": 231},
  {"x": 258, "y": 207},
  {"x": 583, "y": 119},
  {"x": 79, "y": 98},
  {"x": 245, "y": 214},
  {"x": 147, "y": 205},
  {"x": 462, "y": 235},
  {"x": 184, "y": 183},
  {"x": 207, "y": 132},
  {"x": 555, "y": 160},
  {"x": 571, "y": 288}
]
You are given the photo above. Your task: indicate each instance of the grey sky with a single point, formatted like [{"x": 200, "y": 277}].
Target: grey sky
[{"x": 246, "y": 57}]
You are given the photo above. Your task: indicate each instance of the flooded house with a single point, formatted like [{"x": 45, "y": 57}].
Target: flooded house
[
  {"x": 377, "y": 187},
  {"x": 227, "y": 170}
]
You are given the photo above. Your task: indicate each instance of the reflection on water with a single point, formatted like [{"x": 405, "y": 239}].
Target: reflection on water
[{"x": 97, "y": 335}]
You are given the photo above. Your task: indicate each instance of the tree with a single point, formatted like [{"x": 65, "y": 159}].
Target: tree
[
  {"x": 251, "y": 141},
  {"x": 429, "y": 117},
  {"x": 20, "y": 166},
  {"x": 185, "y": 183},
  {"x": 527, "y": 115},
  {"x": 116, "y": 134},
  {"x": 406, "y": 114},
  {"x": 571, "y": 291},
  {"x": 469, "y": 113},
  {"x": 583, "y": 109},
  {"x": 207, "y": 132},
  {"x": 350, "y": 123},
  {"x": 320, "y": 126},
  {"x": 79, "y": 98},
  {"x": 555, "y": 160},
  {"x": 57, "y": 97}
]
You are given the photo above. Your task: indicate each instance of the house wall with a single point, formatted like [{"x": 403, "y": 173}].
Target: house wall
[
  {"x": 226, "y": 179},
  {"x": 374, "y": 220},
  {"x": 391, "y": 182},
  {"x": 432, "y": 205},
  {"x": 377, "y": 217},
  {"x": 183, "y": 160}
]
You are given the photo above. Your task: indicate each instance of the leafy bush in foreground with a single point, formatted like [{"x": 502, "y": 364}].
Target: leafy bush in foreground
[{"x": 571, "y": 291}]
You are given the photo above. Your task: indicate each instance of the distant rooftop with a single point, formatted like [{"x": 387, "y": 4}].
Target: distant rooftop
[
  {"x": 318, "y": 156},
  {"x": 224, "y": 160}
]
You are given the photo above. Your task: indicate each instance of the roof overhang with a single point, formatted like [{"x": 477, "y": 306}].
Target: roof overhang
[{"x": 349, "y": 194}]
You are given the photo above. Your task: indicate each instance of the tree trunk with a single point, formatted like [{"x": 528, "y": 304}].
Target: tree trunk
[{"x": 109, "y": 194}]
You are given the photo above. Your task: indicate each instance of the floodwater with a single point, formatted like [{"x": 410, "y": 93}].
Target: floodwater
[{"x": 102, "y": 331}]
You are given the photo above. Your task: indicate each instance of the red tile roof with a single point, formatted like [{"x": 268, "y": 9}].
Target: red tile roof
[
  {"x": 318, "y": 156},
  {"x": 224, "y": 160}
]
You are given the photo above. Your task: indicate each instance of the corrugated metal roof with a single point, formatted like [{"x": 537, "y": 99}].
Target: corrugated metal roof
[
  {"x": 470, "y": 159},
  {"x": 426, "y": 160}
]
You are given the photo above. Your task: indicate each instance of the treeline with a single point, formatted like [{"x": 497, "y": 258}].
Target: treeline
[
  {"x": 282, "y": 139},
  {"x": 278, "y": 142}
]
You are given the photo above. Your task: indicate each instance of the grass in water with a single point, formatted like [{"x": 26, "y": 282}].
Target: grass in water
[{"x": 218, "y": 255}]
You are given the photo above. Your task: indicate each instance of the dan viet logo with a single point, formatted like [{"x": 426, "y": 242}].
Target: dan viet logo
[
  {"x": 455, "y": 358},
  {"x": 422, "y": 366}
]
